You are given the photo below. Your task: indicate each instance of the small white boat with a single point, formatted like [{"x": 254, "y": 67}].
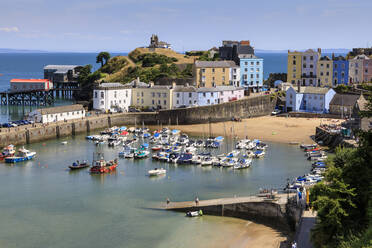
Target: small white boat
[
  {"x": 194, "y": 213},
  {"x": 242, "y": 164},
  {"x": 157, "y": 172},
  {"x": 206, "y": 161},
  {"x": 64, "y": 142}
]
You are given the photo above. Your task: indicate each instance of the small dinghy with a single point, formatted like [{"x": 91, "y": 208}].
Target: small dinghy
[
  {"x": 157, "y": 172},
  {"x": 76, "y": 165},
  {"x": 64, "y": 142},
  {"x": 194, "y": 213}
]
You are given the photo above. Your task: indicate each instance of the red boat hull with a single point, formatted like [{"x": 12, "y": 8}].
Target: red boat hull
[{"x": 103, "y": 169}]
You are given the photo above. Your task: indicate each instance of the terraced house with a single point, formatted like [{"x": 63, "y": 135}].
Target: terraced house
[
  {"x": 356, "y": 70},
  {"x": 294, "y": 67},
  {"x": 251, "y": 72},
  {"x": 325, "y": 72},
  {"x": 213, "y": 73},
  {"x": 309, "y": 67},
  {"x": 340, "y": 70}
]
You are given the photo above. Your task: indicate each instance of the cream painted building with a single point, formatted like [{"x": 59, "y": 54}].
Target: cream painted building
[
  {"x": 325, "y": 72},
  {"x": 213, "y": 73},
  {"x": 152, "y": 96},
  {"x": 294, "y": 67}
]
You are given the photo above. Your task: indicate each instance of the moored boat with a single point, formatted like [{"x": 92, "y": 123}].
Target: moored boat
[
  {"x": 23, "y": 155},
  {"x": 77, "y": 165},
  {"x": 157, "y": 172},
  {"x": 8, "y": 151},
  {"x": 101, "y": 166}
]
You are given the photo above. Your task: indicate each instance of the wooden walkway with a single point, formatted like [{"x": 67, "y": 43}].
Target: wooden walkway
[{"x": 279, "y": 199}]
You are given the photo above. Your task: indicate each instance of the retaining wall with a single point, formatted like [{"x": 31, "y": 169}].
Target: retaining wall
[{"x": 245, "y": 108}]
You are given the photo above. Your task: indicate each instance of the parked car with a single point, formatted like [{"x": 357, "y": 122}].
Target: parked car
[
  {"x": 276, "y": 112},
  {"x": 7, "y": 125}
]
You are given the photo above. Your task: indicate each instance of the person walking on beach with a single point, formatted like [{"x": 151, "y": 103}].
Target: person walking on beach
[
  {"x": 196, "y": 200},
  {"x": 168, "y": 201}
]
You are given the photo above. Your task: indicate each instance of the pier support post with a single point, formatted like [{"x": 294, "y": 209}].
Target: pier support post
[
  {"x": 57, "y": 131},
  {"x": 88, "y": 126},
  {"x": 109, "y": 121},
  {"x": 73, "y": 128},
  {"x": 27, "y": 136}
]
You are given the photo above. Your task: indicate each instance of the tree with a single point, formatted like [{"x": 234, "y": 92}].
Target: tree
[
  {"x": 344, "y": 200},
  {"x": 86, "y": 81},
  {"x": 275, "y": 76},
  {"x": 103, "y": 58}
]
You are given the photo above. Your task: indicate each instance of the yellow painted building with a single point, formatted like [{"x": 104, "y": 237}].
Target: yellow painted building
[
  {"x": 153, "y": 96},
  {"x": 294, "y": 67},
  {"x": 213, "y": 73},
  {"x": 324, "y": 72}
]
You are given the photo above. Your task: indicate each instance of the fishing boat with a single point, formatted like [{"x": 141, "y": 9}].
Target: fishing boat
[
  {"x": 157, "y": 172},
  {"x": 194, "y": 213},
  {"x": 243, "y": 164},
  {"x": 77, "y": 165},
  {"x": 8, "y": 151},
  {"x": 23, "y": 155},
  {"x": 101, "y": 166}
]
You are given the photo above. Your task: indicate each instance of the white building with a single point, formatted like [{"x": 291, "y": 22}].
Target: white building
[
  {"x": 17, "y": 85},
  {"x": 112, "y": 97},
  {"x": 54, "y": 114},
  {"x": 190, "y": 96},
  {"x": 235, "y": 76}
]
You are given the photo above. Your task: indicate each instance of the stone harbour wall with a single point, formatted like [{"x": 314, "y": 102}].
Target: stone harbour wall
[{"x": 245, "y": 108}]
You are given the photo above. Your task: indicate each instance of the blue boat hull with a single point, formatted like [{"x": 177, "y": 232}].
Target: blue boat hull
[{"x": 18, "y": 159}]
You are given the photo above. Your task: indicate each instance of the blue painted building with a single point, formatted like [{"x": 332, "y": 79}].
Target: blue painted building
[
  {"x": 251, "y": 72},
  {"x": 340, "y": 71},
  {"x": 309, "y": 99}
]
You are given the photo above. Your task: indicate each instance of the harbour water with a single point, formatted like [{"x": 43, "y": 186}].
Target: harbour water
[{"x": 45, "y": 205}]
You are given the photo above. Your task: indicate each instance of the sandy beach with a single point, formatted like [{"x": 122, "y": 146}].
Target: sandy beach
[{"x": 267, "y": 128}]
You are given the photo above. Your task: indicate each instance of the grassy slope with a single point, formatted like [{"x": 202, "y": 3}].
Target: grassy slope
[{"x": 119, "y": 73}]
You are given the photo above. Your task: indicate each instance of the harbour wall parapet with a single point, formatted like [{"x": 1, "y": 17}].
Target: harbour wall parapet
[{"x": 245, "y": 108}]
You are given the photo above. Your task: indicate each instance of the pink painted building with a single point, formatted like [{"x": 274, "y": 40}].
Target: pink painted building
[{"x": 230, "y": 93}]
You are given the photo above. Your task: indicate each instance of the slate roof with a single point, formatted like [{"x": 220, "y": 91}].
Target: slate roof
[
  {"x": 215, "y": 64},
  {"x": 312, "y": 90},
  {"x": 60, "y": 109},
  {"x": 60, "y": 68},
  {"x": 345, "y": 99}
]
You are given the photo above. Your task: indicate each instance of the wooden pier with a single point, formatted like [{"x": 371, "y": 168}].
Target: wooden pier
[
  {"x": 65, "y": 89},
  {"x": 27, "y": 98}
]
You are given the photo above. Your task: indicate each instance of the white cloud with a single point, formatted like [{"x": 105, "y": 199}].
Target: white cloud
[{"x": 9, "y": 29}]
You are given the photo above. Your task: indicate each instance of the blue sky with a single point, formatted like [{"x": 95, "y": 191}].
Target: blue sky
[{"x": 122, "y": 25}]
